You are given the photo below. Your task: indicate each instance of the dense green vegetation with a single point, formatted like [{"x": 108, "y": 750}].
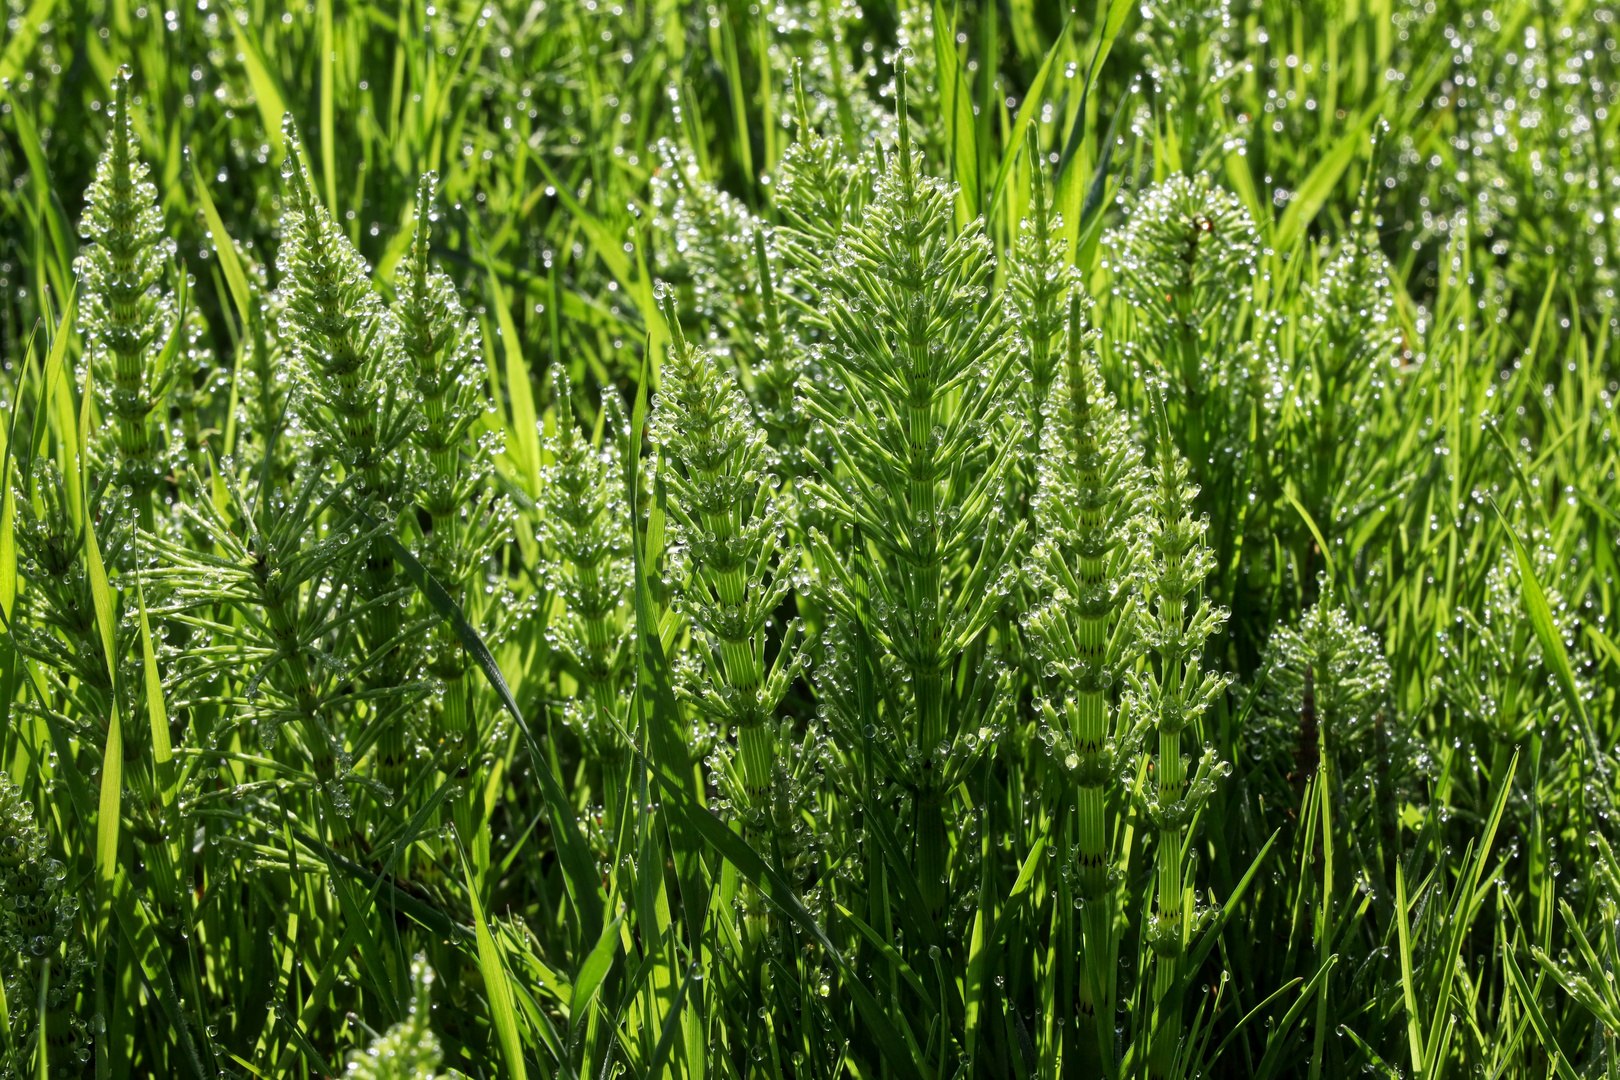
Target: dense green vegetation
[{"x": 930, "y": 540}]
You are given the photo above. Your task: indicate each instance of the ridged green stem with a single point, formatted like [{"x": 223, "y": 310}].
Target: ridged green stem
[
  {"x": 580, "y": 509},
  {"x": 706, "y": 431},
  {"x": 923, "y": 593},
  {"x": 1088, "y": 707},
  {"x": 1171, "y": 779},
  {"x": 429, "y": 325},
  {"x": 128, "y": 333}
]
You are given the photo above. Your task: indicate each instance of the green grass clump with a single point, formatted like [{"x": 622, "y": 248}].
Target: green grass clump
[{"x": 808, "y": 541}]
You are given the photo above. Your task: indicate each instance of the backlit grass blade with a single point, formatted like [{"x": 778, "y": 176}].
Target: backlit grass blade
[
  {"x": 1539, "y": 612},
  {"x": 272, "y": 106},
  {"x": 100, "y": 591},
  {"x": 236, "y": 281},
  {"x": 171, "y": 348},
  {"x": 766, "y": 92},
  {"x": 1414, "y": 1027},
  {"x": 1602, "y": 641},
  {"x": 1087, "y": 215},
  {"x": 591, "y": 973},
  {"x": 721, "y": 30},
  {"x": 55, "y": 223},
  {"x": 109, "y": 809},
  {"x": 1069, "y": 178},
  {"x": 578, "y": 864},
  {"x": 112, "y": 755},
  {"x": 1310, "y": 523},
  {"x": 667, "y": 1035},
  {"x": 519, "y": 385},
  {"x": 1027, "y": 111},
  {"x": 1525, "y": 995},
  {"x": 20, "y": 49},
  {"x": 605, "y": 242},
  {"x": 224, "y": 249},
  {"x": 983, "y": 960},
  {"x": 956, "y": 103},
  {"x": 328, "y": 62},
  {"x": 1313, "y": 193},
  {"x": 78, "y": 790},
  {"x": 59, "y": 397},
  {"x": 8, "y": 503},
  {"x": 44, "y": 404},
  {"x": 496, "y": 990}
]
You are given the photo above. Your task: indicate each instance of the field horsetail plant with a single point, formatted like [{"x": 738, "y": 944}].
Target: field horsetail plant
[
  {"x": 128, "y": 317},
  {"x": 1085, "y": 632},
  {"x": 729, "y": 529},
  {"x": 918, "y": 363},
  {"x": 809, "y": 541}
]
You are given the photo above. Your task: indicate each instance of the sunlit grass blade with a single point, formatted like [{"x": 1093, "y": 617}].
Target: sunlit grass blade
[
  {"x": 588, "y": 980},
  {"x": 956, "y": 103},
  {"x": 519, "y": 387},
  {"x": 1028, "y": 109},
  {"x": 20, "y": 48},
  {"x": 578, "y": 864},
  {"x": 1526, "y": 998},
  {"x": 1539, "y": 612},
  {"x": 496, "y": 990},
  {"x": 1414, "y": 1025},
  {"x": 266, "y": 93},
  {"x": 1313, "y": 193}
]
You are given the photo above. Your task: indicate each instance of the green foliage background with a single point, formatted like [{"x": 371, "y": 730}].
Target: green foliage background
[{"x": 1346, "y": 266}]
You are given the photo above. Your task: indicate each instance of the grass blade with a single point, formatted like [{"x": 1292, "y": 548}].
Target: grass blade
[
  {"x": 1313, "y": 193},
  {"x": 1310, "y": 523},
  {"x": 578, "y": 863},
  {"x": 502, "y": 1013},
  {"x": 1027, "y": 111},
  {"x": 666, "y": 1036},
  {"x": 272, "y": 106},
  {"x": 20, "y": 49},
  {"x": 1198, "y": 953},
  {"x": 591, "y": 973},
  {"x": 1414, "y": 1029},
  {"x": 59, "y": 398},
  {"x": 956, "y": 102},
  {"x": 1538, "y": 1020},
  {"x": 519, "y": 386},
  {"x": 1278, "y": 1039},
  {"x": 1539, "y": 612},
  {"x": 328, "y": 62},
  {"x": 225, "y": 250}
]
